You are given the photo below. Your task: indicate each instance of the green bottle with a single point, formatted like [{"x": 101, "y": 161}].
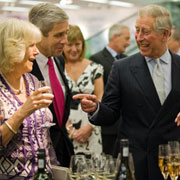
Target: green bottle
[
  {"x": 124, "y": 172},
  {"x": 42, "y": 173}
]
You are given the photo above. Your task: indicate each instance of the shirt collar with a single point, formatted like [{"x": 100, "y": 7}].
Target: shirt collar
[
  {"x": 42, "y": 60},
  {"x": 113, "y": 52},
  {"x": 165, "y": 57}
]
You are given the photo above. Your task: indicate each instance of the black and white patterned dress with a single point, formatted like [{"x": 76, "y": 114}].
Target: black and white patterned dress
[{"x": 78, "y": 118}]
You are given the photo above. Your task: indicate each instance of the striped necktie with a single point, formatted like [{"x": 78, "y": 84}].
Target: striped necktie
[
  {"x": 158, "y": 78},
  {"x": 58, "y": 101}
]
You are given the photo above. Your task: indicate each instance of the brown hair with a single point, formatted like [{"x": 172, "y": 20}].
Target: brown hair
[{"x": 74, "y": 34}]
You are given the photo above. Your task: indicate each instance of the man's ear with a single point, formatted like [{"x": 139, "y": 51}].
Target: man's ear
[{"x": 166, "y": 34}]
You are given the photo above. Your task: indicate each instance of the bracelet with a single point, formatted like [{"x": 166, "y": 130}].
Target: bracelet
[
  {"x": 11, "y": 129},
  {"x": 72, "y": 132}
]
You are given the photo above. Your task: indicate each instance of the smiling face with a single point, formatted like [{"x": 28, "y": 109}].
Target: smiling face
[
  {"x": 27, "y": 63},
  {"x": 73, "y": 50},
  {"x": 53, "y": 44},
  {"x": 149, "y": 42}
]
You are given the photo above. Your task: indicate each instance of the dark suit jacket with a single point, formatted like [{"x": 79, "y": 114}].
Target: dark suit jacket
[
  {"x": 106, "y": 60},
  {"x": 61, "y": 142},
  {"x": 145, "y": 122}
]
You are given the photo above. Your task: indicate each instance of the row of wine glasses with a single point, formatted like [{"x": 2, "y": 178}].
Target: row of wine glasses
[
  {"x": 95, "y": 167},
  {"x": 169, "y": 160}
]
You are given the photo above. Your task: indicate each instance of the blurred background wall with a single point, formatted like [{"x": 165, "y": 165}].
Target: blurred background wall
[{"x": 94, "y": 17}]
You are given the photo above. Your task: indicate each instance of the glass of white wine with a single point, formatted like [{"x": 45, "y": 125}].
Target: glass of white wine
[
  {"x": 44, "y": 83},
  {"x": 163, "y": 160},
  {"x": 174, "y": 159}
]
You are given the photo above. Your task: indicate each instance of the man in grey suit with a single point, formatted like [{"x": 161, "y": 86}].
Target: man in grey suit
[
  {"x": 148, "y": 108},
  {"x": 119, "y": 40}
]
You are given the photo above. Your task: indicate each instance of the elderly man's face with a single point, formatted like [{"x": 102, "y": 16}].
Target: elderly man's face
[{"x": 149, "y": 42}]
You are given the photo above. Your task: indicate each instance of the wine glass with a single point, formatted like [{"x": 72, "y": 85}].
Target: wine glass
[
  {"x": 131, "y": 165},
  {"x": 109, "y": 170},
  {"x": 173, "y": 159},
  {"x": 44, "y": 83},
  {"x": 163, "y": 160},
  {"x": 77, "y": 167}
]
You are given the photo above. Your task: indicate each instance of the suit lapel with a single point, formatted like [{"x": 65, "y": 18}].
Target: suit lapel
[
  {"x": 141, "y": 72},
  {"x": 174, "y": 94},
  {"x": 109, "y": 59},
  {"x": 36, "y": 71}
]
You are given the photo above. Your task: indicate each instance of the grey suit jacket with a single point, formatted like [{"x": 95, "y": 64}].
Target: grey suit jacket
[{"x": 144, "y": 122}]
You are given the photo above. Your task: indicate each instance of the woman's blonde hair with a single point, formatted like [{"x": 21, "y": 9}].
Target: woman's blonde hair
[
  {"x": 15, "y": 36},
  {"x": 74, "y": 34}
]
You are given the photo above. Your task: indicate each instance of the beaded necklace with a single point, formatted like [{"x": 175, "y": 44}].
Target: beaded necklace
[{"x": 16, "y": 91}]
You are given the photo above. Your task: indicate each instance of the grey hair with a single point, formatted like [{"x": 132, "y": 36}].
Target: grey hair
[
  {"x": 116, "y": 29},
  {"x": 45, "y": 15},
  {"x": 160, "y": 14}
]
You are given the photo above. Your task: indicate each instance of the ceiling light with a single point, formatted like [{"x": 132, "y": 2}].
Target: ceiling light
[
  {"x": 16, "y": 9},
  {"x": 97, "y": 1},
  {"x": 8, "y": 1},
  {"x": 30, "y": 2},
  {"x": 120, "y": 3},
  {"x": 66, "y": 6}
]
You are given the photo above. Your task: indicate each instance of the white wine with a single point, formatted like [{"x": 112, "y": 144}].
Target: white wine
[
  {"x": 163, "y": 165},
  {"x": 124, "y": 172},
  {"x": 42, "y": 173}
]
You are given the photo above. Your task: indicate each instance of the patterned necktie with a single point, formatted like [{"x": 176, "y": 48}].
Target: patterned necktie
[
  {"x": 158, "y": 78},
  {"x": 58, "y": 101}
]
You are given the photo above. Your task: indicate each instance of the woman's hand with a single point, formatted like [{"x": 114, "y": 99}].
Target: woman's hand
[
  {"x": 82, "y": 134},
  {"x": 38, "y": 99}
]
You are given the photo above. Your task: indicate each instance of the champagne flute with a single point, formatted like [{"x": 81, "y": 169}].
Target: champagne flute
[
  {"x": 163, "y": 160},
  {"x": 110, "y": 171},
  {"x": 44, "y": 83},
  {"x": 174, "y": 159}
]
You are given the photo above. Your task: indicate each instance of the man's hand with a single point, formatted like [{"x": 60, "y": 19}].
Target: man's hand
[
  {"x": 89, "y": 103},
  {"x": 177, "y": 120}
]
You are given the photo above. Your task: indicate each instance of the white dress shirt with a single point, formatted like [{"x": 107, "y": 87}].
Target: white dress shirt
[{"x": 43, "y": 66}]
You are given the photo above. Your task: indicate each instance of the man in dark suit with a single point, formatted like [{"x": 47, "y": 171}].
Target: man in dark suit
[
  {"x": 148, "y": 108},
  {"x": 119, "y": 40},
  {"x": 53, "y": 23}
]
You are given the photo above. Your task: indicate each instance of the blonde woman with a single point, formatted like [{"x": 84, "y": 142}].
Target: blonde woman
[{"x": 25, "y": 105}]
